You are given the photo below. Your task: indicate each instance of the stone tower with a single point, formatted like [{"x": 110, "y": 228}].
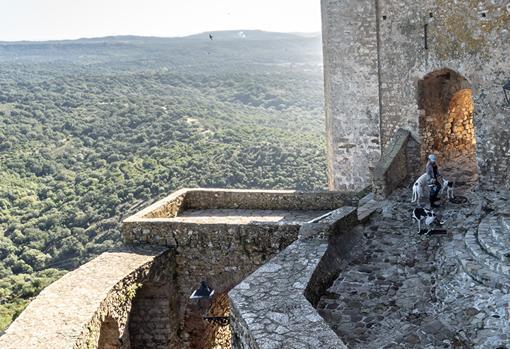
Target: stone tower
[{"x": 409, "y": 64}]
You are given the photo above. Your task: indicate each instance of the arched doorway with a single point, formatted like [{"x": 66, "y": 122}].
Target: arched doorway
[
  {"x": 446, "y": 123},
  {"x": 109, "y": 334}
]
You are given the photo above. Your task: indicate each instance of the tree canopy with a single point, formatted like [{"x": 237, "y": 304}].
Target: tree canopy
[{"x": 93, "y": 130}]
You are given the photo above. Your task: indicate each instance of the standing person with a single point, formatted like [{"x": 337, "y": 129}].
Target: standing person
[{"x": 433, "y": 173}]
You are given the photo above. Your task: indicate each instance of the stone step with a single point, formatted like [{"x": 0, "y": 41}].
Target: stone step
[
  {"x": 482, "y": 273},
  {"x": 481, "y": 255},
  {"x": 493, "y": 238}
]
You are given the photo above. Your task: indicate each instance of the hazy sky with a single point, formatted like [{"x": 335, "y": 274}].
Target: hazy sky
[{"x": 69, "y": 19}]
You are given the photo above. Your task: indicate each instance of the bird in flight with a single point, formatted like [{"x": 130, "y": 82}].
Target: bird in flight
[{"x": 210, "y": 36}]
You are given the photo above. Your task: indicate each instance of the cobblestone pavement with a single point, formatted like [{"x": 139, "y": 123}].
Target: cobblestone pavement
[{"x": 399, "y": 289}]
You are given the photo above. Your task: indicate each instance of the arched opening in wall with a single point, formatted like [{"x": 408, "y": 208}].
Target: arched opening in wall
[
  {"x": 109, "y": 334},
  {"x": 446, "y": 123}
]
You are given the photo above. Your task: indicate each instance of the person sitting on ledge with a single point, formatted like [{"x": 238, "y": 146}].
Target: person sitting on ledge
[{"x": 434, "y": 185}]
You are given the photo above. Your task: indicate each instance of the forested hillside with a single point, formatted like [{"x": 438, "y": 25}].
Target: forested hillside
[{"x": 92, "y": 130}]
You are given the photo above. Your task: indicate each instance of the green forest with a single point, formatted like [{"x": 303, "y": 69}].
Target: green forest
[{"x": 93, "y": 130}]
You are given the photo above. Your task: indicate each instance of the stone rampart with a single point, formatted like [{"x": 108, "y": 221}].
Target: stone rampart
[
  {"x": 283, "y": 315},
  {"x": 222, "y": 236},
  {"x": 139, "y": 297},
  {"x": 90, "y": 306}
]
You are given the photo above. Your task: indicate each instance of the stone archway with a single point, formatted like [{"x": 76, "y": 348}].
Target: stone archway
[
  {"x": 109, "y": 334},
  {"x": 446, "y": 121}
]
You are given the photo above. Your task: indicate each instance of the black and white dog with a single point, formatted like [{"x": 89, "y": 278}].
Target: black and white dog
[
  {"x": 422, "y": 214},
  {"x": 449, "y": 189}
]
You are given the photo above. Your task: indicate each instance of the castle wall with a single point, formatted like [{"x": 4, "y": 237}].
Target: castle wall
[
  {"x": 415, "y": 38},
  {"x": 221, "y": 254},
  {"x": 351, "y": 91},
  {"x": 469, "y": 37},
  {"x": 90, "y": 307}
]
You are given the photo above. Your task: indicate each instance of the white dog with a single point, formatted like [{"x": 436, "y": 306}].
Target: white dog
[
  {"x": 418, "y": 187},
  {"x": 449, "y": 189}
]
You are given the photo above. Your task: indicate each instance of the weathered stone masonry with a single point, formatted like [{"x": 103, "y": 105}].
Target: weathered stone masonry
[
  {"x": 91, "y": 306},
  {"x": 284, "y": 315},
  {"x": 351, "y": 91},
  {"x": 415, "y": 38},
  {"x": 217, "y": 249}
]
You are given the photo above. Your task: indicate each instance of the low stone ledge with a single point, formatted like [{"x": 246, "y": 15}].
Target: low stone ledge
[
  {"x": 346, "y": 216},
  {"x": 343, "y": 235},
  {"x": 280, "y": 316},
  {"x": 69, "y": 312}
]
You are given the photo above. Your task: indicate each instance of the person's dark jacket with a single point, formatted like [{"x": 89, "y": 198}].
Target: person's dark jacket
[{"x": 432, "y": 170}]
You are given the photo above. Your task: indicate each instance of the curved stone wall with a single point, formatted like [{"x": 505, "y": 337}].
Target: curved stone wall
[
  {"x": 283, "y": 315},
  {"x": 90, "y": 302}
]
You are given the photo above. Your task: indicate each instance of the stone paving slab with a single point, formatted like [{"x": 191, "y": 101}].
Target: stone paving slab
[{"x": 403, "y": 290}]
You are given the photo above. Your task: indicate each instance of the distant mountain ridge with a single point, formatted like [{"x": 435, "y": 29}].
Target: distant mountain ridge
[
  {"x": 228, "y": 51},
  {"x": 136, "y": 39}
]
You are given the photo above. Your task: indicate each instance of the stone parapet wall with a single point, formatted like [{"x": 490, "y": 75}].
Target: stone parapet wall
[
  {"x": 168, "y": 207},
  {"x": 328, "y": 225},
  {"x": 201, "y": 198},
  {"x": 267, "y": 199},
  {"x": 280, "y": 316},
  {"x": 89, "y": 305},
  {"x": 400, "y": 161},
  {"x": 341, "y": 236},
  {"x": 283, "y": 315}
]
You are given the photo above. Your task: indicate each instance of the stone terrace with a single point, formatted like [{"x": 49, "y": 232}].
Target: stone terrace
[{"x": 399, "y": 289}]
